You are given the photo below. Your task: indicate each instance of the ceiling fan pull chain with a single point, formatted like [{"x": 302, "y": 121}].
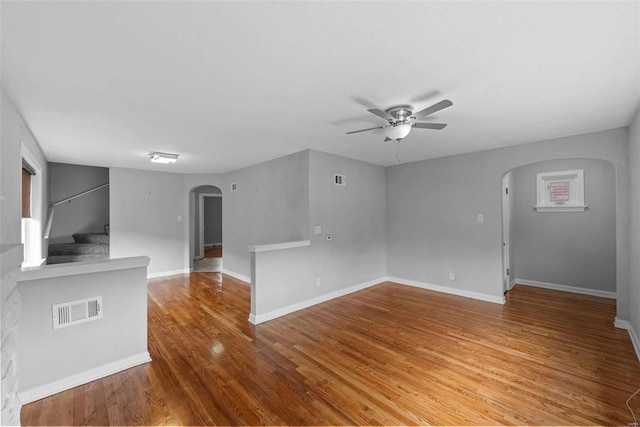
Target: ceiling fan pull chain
[{"x": 398, "y": 151}]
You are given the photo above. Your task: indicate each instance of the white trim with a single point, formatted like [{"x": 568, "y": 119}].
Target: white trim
[
  {"x": 260, "y": 318},
  {"x": 42, "y": 391},
  {"x": 454, "y": 291},
  {"x": 512, "y": 284},
  {"x": 279, "y": 246},
  {"x": 208, "y": 245},
  {"x": 625, "y": 324},
  {"x": 167, "y": 273},
  {"x": 564, "y": 288},
  {"x": 235, "y": 275},
  {"x": 86, "y": 267},
  {"x": 581, "y": 208}
]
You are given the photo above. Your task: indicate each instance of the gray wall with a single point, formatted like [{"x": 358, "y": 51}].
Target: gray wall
[
  {"x": 354, "y": 215},
  {"x": 86, "y": 214},
  {"x": 212, "y": 220},
  {"x": 634, "y": 295},
  {"x": 144, "y": 211},
  {"x": 47, "y": 355},
  {"x": 271, "y": 205},
  {"x": 13, "y": 131},
  {"x": 567, "y": 248},
  {"x": 432, "y": 208}
]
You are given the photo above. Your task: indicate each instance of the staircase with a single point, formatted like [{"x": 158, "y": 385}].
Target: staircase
[{"x": 87, "y": 247}]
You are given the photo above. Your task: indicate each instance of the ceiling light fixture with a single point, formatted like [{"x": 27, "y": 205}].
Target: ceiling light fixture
[
  {"x": 397, "y": 131},
  {"x": 163, "y": 157}
]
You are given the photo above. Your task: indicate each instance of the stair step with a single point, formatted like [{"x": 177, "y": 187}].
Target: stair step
[
  {"x": 99, "y": 238},
  {"x": 60, "y": 259},
  {"x": 78, "y": 249}
]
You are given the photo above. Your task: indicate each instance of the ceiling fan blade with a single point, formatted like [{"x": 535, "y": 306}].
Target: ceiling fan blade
[
  {"x": 364, "y": 130},
  {"x": 430, "y": 110},
  {"x": 381, "y": 114},
  {"x": 436, "y": 126}
]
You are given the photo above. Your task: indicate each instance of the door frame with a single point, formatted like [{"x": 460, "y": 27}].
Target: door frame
[{"x": 506, "y": 231}]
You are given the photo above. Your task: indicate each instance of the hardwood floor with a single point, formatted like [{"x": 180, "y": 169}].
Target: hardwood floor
[{"x": 387, "y": 355}]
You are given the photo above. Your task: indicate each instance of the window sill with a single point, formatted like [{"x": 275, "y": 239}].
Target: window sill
[{"x": 560, "y": 208}]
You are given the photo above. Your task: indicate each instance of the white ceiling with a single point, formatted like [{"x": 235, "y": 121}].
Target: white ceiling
[{"x": 231, "y": 84}]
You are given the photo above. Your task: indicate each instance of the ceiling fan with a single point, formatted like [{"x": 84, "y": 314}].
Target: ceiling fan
[{"x": 401, "y": 119}]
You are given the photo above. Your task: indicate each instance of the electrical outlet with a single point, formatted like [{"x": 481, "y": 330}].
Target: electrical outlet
[
  {"x": 480, "y": 217},
  {"x": 318, "y": 283},
  {"x": 452, "y": 276},
  {"x": 317, "y": 229}
]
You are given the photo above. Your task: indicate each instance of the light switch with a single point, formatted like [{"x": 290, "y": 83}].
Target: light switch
[
  {"x": 318, "y": 229},
  {"x": 179, "y": 218},
  {"x": 480, "y": 217}
]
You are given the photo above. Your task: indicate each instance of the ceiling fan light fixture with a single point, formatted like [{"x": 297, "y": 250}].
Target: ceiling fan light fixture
[
  {"x": 158, "y": 157},
  {"x": 398, "y": 131}
]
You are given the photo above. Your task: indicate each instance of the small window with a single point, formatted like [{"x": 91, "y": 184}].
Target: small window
[{"x": 560, "y": 191}]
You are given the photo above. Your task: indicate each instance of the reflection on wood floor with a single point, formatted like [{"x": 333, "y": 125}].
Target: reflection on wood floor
[{"x": 387, "y": 355}]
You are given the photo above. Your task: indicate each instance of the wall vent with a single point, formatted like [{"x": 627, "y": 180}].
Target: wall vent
[
  {"x": 234, "y": 186},
  {"x": 75, "y": 312},
  {"x": 339, "y": 179}
]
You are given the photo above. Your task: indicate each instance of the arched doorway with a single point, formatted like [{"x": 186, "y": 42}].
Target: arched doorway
[{"x": 573, "y": 251}]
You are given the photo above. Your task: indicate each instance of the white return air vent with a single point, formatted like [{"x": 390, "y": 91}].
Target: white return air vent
[
  {"x": 75, "y": 312},
  {"x": 340, "y": 179}
]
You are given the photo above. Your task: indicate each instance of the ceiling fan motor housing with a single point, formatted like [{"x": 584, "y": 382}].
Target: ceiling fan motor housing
[{"x": 400, "y": 113}]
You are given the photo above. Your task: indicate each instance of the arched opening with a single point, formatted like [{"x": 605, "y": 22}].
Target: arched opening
[
  {"x": 563, "y": 249},
  {"x": 205, "y": 239}
]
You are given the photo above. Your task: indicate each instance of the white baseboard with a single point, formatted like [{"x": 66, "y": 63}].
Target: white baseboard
[
  {"x": 454, "y": 291},
  {"x": 512, "y": 284},
  {"x": 208, "y": 245},
  {"x": 42, "y": 391},
  {"x": 167, "y": 273},
  {"x": 236, "y": 275},
  {"x": 260, "y": 318},
  {"x": 625, "y": 324},
  {"x": 555, "y": 287}
]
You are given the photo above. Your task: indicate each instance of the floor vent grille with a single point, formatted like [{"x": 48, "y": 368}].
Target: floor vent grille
[{"x": 75, "y": 312}]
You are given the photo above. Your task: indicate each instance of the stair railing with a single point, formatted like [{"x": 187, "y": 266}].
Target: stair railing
[{"x": 52, "y": 207}]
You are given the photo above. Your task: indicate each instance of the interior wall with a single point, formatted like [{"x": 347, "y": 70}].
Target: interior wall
[
  {"x": 271, "y": 205},
  {"x": 432, "y": 209},
  {"x": 576, "y": 249},
  {"x": 354, "y": 216},
  {"x": 13, "y": 133},
  {"x": 86, "y": 214},
  {"x": 147, "y": 217},
  {"x": 634, "y": 160}
]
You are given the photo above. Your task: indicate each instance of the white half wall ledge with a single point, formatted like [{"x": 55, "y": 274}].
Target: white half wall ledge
[
  {"x": 625, "y": 324},
  {"x": 40, "y": 392},
  {"x": 453, "y": 291},
  {"x": 85, "y": 267},
  {"x": 238, "y": 276},
  {"x": 564, "y": 288},
  {"x": 261, "y": 318},
  {"x": 279, "y": 246}
]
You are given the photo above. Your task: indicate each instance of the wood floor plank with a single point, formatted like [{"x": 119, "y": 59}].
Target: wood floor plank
[{"x": 387, "y": 355}]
